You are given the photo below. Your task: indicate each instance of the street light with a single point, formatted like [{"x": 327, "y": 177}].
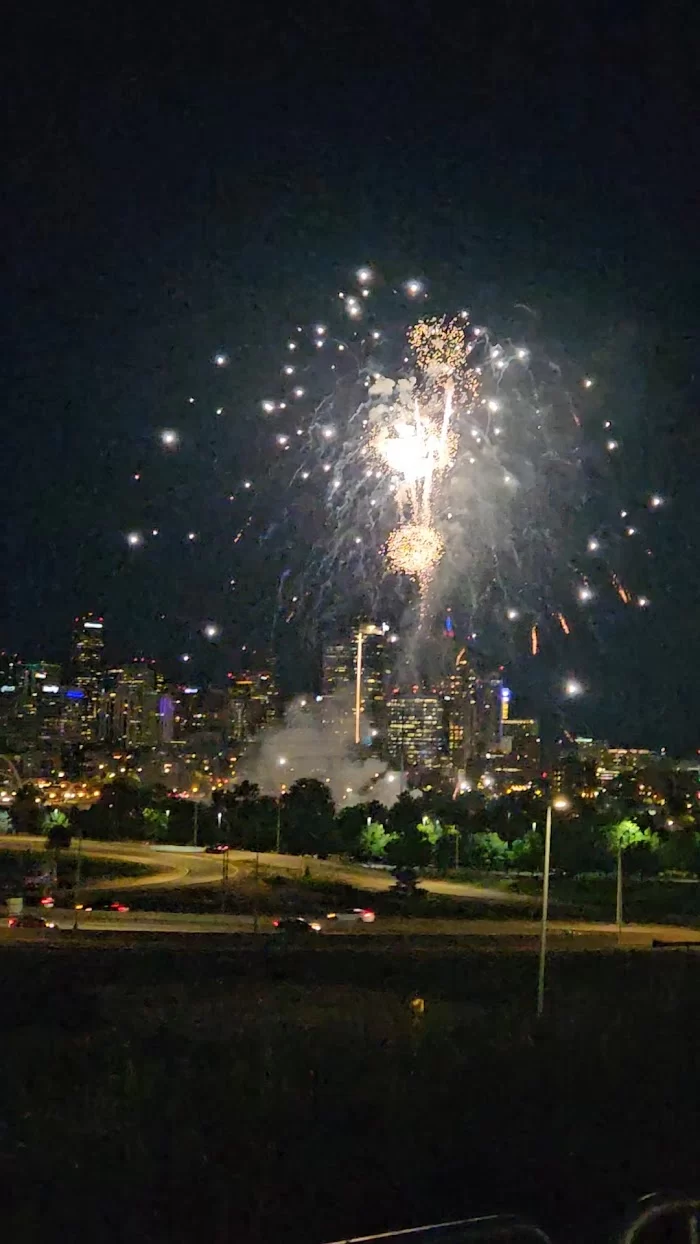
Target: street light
[{"x": 559, "y": 804}]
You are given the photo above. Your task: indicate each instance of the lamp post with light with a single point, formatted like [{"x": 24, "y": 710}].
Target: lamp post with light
[
  {"x": 572, "y": 688},
  {"x": 282, "y": 760},
  {"x": 560, "y": 804}
]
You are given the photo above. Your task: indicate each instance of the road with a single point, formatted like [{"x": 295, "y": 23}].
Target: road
[
  {"x": 183, "y": 868},
  {"x": 511, "y": 934},
  {"x": 173, "y": 868}
]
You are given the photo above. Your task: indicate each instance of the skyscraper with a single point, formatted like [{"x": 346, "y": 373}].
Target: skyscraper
[
  {"x": 457, "y": 691},
  {"x": 88, "y": 646},
  {"x": 414, "y": 728},
  {"x": 338, "y": 666},
  {"x": 521, "y": 743},
  {"x": 489, "y": 713},
  {"x": 253, "y": 702},
  {"x": 129, "y": 710},
  {"x": 339, "y": 673},
  {"x": 87, "y": 667}
]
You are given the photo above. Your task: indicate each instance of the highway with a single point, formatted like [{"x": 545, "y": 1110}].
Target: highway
[
  {"x": 187, "y": 867},
  {"x": 178, "y": 868},
  {"x": 510, "y": 934}
]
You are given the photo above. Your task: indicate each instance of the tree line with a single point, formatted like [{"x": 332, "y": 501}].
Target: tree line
[{"x": 420, "y": 831}]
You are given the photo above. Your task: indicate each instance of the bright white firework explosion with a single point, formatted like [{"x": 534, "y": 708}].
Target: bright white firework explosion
[
  {"x": 451, "y": 466},
  {"x": 422, "y": 462}
]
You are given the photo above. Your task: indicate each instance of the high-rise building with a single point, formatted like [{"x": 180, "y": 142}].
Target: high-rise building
[
  {"x": 87, "y": 668},
  {"x": 414, "y": 728},
  {"x": 377, "y": 668},
  {"x": 339, "y": 673},
  {"x": 87, "y": 651},
  {"x": 521, "y": 743},
  {"x": 128, "y": 711},
  {"x": 338, "y": 667},
  {"x": 489, "y": 708},
  {"x": 253, "y": 702}
]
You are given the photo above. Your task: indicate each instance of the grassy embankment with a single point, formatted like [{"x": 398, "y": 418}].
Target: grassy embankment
[{"x": 169, "y": 1094}]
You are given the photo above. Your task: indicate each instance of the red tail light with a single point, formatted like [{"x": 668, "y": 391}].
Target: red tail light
[
  {"x": 276, "y": 923},
  {"x": 12, "y": 922}
]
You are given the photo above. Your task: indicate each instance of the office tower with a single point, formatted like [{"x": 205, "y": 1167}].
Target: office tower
[
  {"x": 414, "y": 728},
  {"x": 521, "y": 744},
  {"x": 129, "y": 707},
  {"x": 338, "y": 667},
  {"x": 339, "y": 674},
  {"x": 489, "y": 696},
  {"x": 87, "y": 670},
  {"x": 87, "y": 653},
  {"x": 253, "y": 702}
]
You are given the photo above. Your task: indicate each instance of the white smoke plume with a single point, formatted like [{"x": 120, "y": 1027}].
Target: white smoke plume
[{"x": 316, "y": 740}]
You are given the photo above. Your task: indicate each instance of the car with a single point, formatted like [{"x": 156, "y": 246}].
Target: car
[
  {"x": 296, "y": 924},
  {"x": 219, "y": 848},
  {"x": 357, "y": 915},
  {"x": 27, "y": 920},
  {"x": 115, "y": 905}
]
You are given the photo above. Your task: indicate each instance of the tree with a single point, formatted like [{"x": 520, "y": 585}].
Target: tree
[
  {"x": 307, "y": 817},
  {"x": 349, "y": 828},
  {"x": 242, "y": 791},
  {"x": 526, "y": 853},
  {"x": 403, "y": 814},
  {"x": 625, "y": 836},
  {"x": 447, "y": 852},
  {"x": 156, "y": 823},
  {"x": 121, "y": 801},
  {"x": 374, "y": 840},
  {"x": 410, "y": 849},
  {"x": 680, "y": 852},
  {"x": 487, "y": 850},
  {"x": 57, "y": 829},
  {"x": 26, "y": 810},
  {"x": 5, "y": 822},
  {"x": 578, "y": 846}
]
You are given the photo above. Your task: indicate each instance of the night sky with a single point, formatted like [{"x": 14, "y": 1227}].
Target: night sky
[{"x": 179, "y": 185}]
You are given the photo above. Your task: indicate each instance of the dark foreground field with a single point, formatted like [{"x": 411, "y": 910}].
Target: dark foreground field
[{"x": 219, "y": 1093}]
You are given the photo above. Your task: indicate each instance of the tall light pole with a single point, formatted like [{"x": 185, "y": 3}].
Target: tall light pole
[
  {"x": 281, "y": 760},
  {"x": 560, "y": 804},
  {"x": 618, "y": 897},
  {"x": 363, "y": 630}
]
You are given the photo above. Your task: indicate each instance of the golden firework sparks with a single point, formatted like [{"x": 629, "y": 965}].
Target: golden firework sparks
[
  {"x": 414, "y": 549},
  {"x": 438, "y": 343}
]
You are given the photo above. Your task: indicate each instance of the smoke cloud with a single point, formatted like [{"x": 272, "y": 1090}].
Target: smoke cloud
[{"x": 316, "y": 740}]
